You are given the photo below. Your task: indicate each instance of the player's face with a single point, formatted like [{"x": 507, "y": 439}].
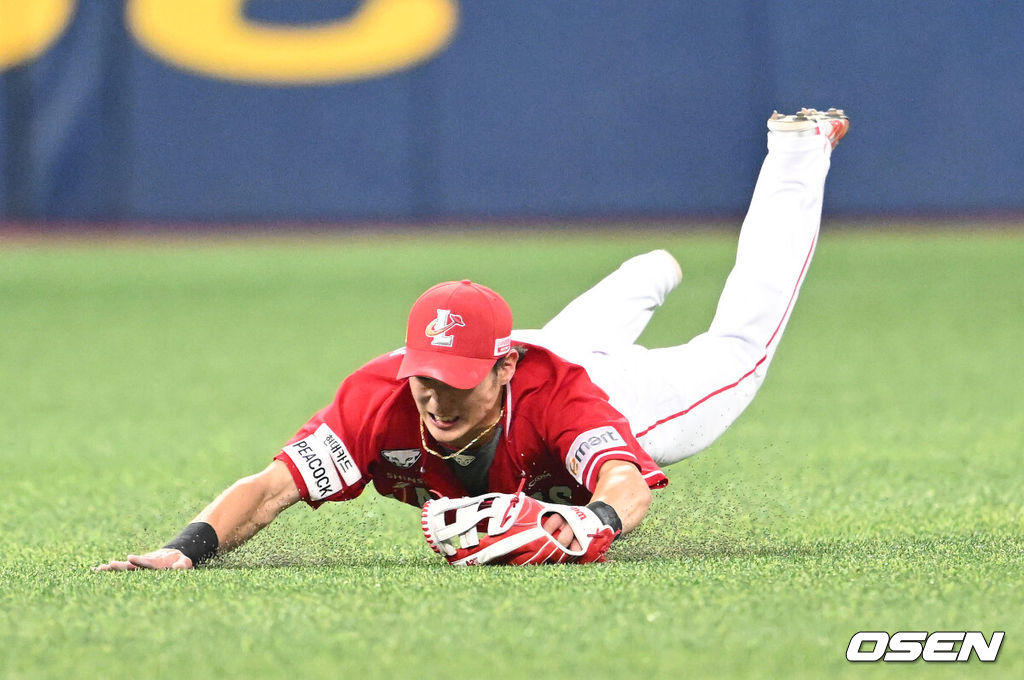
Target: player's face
[{"x": 455, "y": 417}]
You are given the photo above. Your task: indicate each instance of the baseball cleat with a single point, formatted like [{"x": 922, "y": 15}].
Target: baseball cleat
[{"x": 833, "y": 124}]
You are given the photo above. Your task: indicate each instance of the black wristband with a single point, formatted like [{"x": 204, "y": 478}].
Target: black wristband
[
  {"x": 607, "y": 514},
  {"x": 198, "y": 541}
]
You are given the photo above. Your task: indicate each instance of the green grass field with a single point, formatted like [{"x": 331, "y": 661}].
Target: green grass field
[{"x": 876, "y": 483}]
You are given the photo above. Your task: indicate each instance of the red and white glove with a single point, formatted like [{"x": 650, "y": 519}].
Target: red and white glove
[{"x": 499, "y": 528}]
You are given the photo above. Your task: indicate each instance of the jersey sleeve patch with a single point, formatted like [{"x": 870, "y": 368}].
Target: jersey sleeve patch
[
  {"x": 588, "y": 447},
  {"x": 350, "y": 473},
  {"x": 324, "y": 462}
]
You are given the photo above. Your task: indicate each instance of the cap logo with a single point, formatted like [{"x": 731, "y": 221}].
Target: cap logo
[
  {"x": 437, "y": 330},
  {"x": 502, "y": 346}
]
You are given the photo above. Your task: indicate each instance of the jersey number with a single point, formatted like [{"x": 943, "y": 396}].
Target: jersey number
[{"x": 556, "y": 494}]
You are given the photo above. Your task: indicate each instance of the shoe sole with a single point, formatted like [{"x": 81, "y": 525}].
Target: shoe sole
[{"x": 832, "y": 123}]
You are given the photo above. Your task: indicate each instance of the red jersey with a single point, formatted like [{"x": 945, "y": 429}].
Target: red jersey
[{"x": 558, "y": 430}]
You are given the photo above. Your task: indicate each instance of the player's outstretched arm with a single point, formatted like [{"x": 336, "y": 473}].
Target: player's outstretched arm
[
  {"x": 233, "y": 518},
  {"x": 619, "y": 485}
]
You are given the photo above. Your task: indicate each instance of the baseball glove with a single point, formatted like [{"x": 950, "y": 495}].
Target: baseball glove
[{"x": 501, "y": 528}]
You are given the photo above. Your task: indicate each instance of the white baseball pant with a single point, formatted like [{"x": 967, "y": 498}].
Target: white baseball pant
[{"x": 681, "y": 399}]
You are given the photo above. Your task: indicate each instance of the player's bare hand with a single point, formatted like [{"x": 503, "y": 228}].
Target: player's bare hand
[
  {"x": 164, "y": 558},
  {"x": 556, "y": 525}
]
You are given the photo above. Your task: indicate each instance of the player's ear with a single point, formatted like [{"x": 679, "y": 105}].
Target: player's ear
[{"x": 506, "y": 367}]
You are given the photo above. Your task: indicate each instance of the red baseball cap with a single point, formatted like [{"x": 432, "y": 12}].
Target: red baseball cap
[{"x": 457, "y": 330}]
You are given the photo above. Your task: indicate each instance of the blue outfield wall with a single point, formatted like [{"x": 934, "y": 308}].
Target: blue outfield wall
[{"x": 532, "y": 108}]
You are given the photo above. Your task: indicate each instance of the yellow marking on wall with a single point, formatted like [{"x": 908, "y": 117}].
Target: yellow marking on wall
[
  {"x": 213, "y": 37},
  {"x": 29, "y": 27}
]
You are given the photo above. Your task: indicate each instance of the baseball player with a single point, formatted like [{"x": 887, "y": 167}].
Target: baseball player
[{"x": 542, "y": 446}]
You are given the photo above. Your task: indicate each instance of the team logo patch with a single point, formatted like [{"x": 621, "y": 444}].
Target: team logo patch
[
  {"x": 403, "y": 458},
  {"x": 464, "y": 460},
  {"x": 438, "y": 329},
  {"x": 588, "y": 445}
]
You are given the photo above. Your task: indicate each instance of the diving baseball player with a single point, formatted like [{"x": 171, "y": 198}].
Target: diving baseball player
[{"x": 542, "y": 446}]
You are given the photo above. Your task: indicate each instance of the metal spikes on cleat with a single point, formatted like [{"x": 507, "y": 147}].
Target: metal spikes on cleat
[{"x": 833, "y": 124}]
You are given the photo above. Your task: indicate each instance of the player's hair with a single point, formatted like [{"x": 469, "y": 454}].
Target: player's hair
[{"x": 518, "y": 349}]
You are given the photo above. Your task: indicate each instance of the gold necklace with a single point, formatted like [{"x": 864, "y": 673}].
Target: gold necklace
[{"x": 423, "y": 438}]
